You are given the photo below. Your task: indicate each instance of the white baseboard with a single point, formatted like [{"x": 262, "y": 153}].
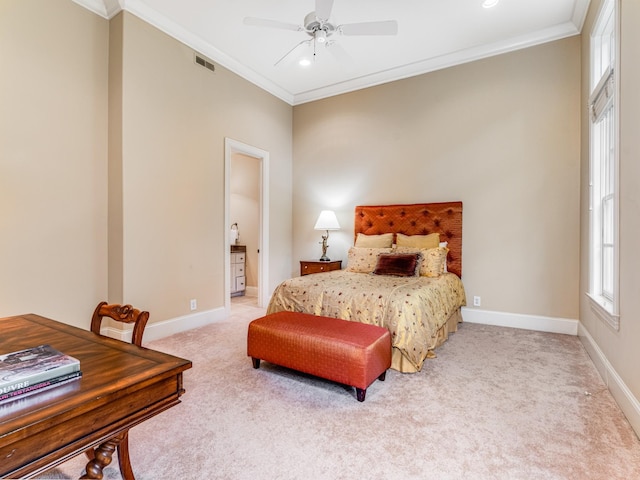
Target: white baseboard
[
  {"x": 251, "y": 291},
  {"x": 517, "y": 320},
  {"x": 627, "y": 402},
  {"x": 155, "y": 331},
  {"x": 165, "y": 328},
  {"x": 629, "y": 405}
]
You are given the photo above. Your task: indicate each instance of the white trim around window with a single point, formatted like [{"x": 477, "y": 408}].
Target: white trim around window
[
  {"x": 604, "y": 199},
  {"x": 603, "y": 311}
]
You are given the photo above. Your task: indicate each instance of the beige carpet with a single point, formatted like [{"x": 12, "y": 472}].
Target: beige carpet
[{"x": 497, "y": 403}]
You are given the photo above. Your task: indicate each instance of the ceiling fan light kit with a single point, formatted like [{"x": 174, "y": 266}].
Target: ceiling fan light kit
[
  {"x": 317, "y": 26},
  {"x": 490, "y": 3}
]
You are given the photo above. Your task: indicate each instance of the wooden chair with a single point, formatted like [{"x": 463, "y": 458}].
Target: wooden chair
[
  {"x": 121, "y": 313},
  {"x": 125, "y": 314}
]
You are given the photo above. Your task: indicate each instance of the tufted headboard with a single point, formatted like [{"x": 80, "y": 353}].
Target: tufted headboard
[{"x": 416, "y": 219}]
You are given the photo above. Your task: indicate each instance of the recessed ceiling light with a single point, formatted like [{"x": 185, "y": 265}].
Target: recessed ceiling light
[
  {"x": 305, "y": 62},
  {"x": 490, "y": 3}
]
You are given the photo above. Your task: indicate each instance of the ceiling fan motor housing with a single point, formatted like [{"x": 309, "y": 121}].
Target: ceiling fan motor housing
[{"x": 312, "y": 24}]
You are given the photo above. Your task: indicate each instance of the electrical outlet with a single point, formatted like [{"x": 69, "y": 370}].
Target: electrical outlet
[
  {"x": 476, "y": 301},
  {"x": 193, "y": 304}
]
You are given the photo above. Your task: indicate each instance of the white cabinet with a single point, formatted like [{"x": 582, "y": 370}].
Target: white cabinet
[{"x": 238, "y": 277}]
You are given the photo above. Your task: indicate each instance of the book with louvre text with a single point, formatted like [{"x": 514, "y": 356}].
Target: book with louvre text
[
  {"x": 38, "y": 387},
  {"x": 25, "y": 368}
]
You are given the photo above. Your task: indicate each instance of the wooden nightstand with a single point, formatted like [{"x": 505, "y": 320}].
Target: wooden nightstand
[{"x": 316, "y": 266}]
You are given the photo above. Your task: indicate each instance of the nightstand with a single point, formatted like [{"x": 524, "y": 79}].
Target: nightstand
[{"x": 316, "y": 266}]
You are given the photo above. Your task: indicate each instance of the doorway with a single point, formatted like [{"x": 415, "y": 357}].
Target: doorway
[{"x": 255, "y": 235}]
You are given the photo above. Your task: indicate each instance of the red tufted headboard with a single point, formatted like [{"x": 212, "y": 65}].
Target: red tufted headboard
[{"x": 416, "y": 219}]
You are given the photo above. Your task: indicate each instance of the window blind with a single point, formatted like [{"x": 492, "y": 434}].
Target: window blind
[{"x": 602, "y": 96}]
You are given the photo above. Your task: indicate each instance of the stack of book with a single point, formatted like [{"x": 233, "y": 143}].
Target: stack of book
[{"x": 35, "y": 370}]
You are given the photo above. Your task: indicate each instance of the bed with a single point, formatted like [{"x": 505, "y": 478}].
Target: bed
[{"x": 421, "y": 309}]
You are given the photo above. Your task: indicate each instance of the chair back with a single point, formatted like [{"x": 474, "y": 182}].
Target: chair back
[{"x": 121, "y": 313}]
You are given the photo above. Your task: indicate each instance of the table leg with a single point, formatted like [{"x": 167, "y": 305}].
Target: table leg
[{"x": 103, "y": 455}]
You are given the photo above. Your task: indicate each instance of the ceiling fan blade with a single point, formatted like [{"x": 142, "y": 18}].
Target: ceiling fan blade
[
  {"x": 263, "y": 22},
  {"x": 290, "y": 56},
  {"x": 340, "y": 54},
  {"x": 388, "y": 27},
  {"x": 323, "y": 9}
]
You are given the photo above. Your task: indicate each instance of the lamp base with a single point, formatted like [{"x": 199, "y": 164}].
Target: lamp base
[{"x": 324, "y": 257}]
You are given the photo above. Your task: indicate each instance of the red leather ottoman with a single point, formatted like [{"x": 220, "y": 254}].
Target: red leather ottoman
[{"x": 346, "y": 352}]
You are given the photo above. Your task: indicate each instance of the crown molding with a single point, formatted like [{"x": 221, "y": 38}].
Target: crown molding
[
  {"x": 109, "y": 8},
  {"x": 460, "y": 57},
  {"x": 580, "y": 13},
  {"x": 105, "y": 8}
]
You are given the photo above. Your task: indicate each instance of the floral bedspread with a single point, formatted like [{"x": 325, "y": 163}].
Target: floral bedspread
[{"x": 413, "y": 309}]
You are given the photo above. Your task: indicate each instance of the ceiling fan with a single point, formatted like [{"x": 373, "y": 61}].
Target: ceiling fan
[{"x": 318, "y": 26}]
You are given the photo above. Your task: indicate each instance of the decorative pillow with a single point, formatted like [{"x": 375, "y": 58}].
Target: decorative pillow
[
  {"x": 444, "y": 245},
  {"x": 419, "y": 241},
  {"x": 434, "y": 260},
  {"x": 374, "y": 241},
  {"x": 363, "y": 260},
  {"x": 397, "y": 264}
]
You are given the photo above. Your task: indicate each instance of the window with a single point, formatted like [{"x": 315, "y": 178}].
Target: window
[{"x": 603, "y": 186}]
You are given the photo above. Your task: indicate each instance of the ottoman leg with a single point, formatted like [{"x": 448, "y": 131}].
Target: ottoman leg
[
  {"x": 360, "y": 393},
  {"x": 382, "y": 376},
  {"x": 256, "y": 362}
]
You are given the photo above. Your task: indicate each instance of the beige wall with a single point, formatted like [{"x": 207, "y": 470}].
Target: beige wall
[
  {"x": 244, "y": 191},
  {"x": 78, "y": 83},
  {"x": 115, "y": 292},
  {"x": 500, "y": 134},
  {"x": 620, "y": 348},
  {"x": 53, "y": 159},
  {"x": 175, "y": 117}
]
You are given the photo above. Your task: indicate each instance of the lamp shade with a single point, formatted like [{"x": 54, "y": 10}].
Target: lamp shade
[{"x": 327, "y": 221}]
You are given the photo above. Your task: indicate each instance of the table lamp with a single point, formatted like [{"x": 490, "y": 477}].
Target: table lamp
[{"x": 326, "y": 221}]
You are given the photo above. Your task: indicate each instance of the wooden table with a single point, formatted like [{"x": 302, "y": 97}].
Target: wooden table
[{"x": 121, "y": 386}]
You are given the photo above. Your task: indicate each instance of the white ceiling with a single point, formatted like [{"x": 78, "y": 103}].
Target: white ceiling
[{"x": 432, "y": 34}]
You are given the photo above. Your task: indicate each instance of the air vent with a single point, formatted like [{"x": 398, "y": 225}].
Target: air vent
[{"x": 205, "y": 63}]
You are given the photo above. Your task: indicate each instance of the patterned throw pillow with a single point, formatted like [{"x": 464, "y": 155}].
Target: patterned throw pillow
[
  {"x": 363, "y": 260},
  {"x": 433, "y": 260}
]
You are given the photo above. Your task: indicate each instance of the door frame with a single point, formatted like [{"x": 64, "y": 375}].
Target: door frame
[{"x": 232, "y": 146}]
